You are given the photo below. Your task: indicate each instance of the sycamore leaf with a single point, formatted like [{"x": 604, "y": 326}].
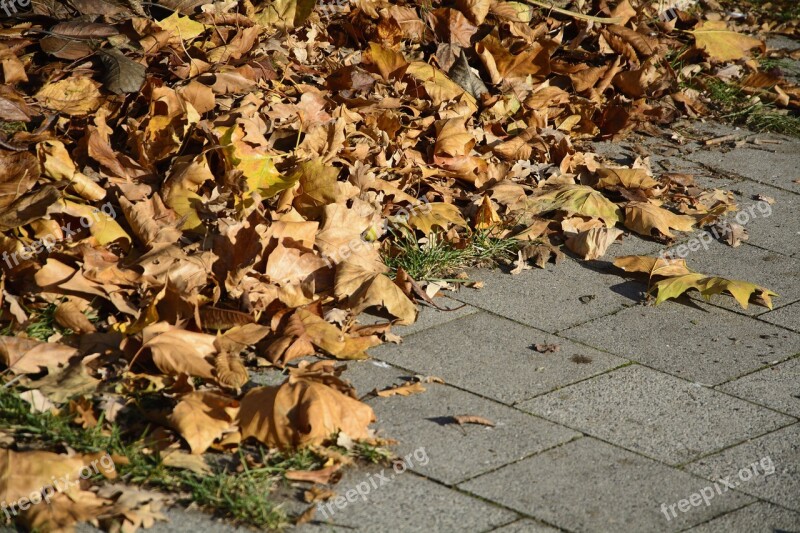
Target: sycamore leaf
[
  {"x": 68, "y": 315},
  {"x": 181, "y": 27},
  {"x": 708, "y": 286},
  {"x": 722, "y": 44},
  {"x": 439, "y": 87},
  {"x": 306, "y": 410},
  {"x": 645, "y": 218},
  {"x": 742, "y": 291},
  {"x": 285, "y": 14},
  {"x": 652, "y": 266},
  {"x": 577, "y": 199},
  {"x": 102, "y": 226},
  {"x": 675, "y": 286},
  {"x": 58, "y": 165}
]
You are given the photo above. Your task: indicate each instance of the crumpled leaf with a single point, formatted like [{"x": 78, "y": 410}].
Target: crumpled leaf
[
  {"x": 593, "y": 243},
  {"x": 77, "y": 95},
  {"x": 306, "y": 410},
  {"x": 178, "y": 351}
]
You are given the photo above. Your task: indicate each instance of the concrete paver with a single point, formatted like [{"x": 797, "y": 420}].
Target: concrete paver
[{"x": 655, "y": 414}]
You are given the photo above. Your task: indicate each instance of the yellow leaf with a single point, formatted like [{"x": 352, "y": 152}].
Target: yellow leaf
[
  {"x": 439, "y": 214},
  {"x": 390, "y": 64},
  {"x": 722, "y": 44},
  {"x": 629, "y": 178},
  {"x": 439, "y": 87},
  {"x": 103, "y": 227},
  {"x": 183, "y": 27},
  {"x": 58, "y": 165},
  {"x": 652, "y": 266},
  {"x": 741, "y": 290},
  {"x": 255, "y": 162},
  {"x": 486, "y": 217}
]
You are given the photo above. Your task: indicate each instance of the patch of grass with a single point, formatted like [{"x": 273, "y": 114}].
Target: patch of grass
[
  {"x": 42, "y": 324},
  {"x": 740, "y": 108},
  {"x": 243, "y": 496},
  {"x": 10, "y": 128},
  {"x": 371, "y": 453},
  {"x": 435, "y": 258}
]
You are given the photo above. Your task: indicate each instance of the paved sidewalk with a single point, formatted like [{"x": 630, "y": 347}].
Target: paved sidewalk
[{"x": 643, "y": 419}]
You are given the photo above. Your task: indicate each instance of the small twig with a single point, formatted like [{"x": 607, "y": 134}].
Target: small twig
[{"x": 724, "y": 138}]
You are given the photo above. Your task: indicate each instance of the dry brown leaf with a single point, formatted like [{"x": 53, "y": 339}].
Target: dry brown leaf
[
  {"x": 69, "y": 316},
  {"x": 202, "y": 417},
  {"x": 230, "y": 370},
  {"x": 406, "y": 389},
  {"x": 307, "y": 409},
  {"x": 472, "y": 419}
]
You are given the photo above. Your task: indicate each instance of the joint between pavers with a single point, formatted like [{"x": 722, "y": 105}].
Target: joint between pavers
[
  {"x": 754, "y": 371},
  {"x": 682, "y": 466},
  {"x": 722, "y": 514}
]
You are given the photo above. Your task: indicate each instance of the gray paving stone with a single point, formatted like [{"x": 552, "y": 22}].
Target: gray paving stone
[
  {"x": 788, "y": 317},
  {"x": 774, "y": 227},
  {"x": 780, "y": 448},
  {"x": 776, "y": 387},
  {"x": 774, "y": 271},
  {"x": 428, "y": 316},
  {"x": 759, "y": 517},
  {"x": 778, "y": 169},
  {"x": 180, "y": 520},
  {"x": 552, "y": 299},
  {"x": 492, "y": 356},
  {"x": 526, "y": 526},
  {"x": 457, "y": 453},
  {"x": 654, "y": 414},
  {"x": 692, "y": 340},
  {"x": 589, "y": 485},
  {"x": 406, "y": 503}
]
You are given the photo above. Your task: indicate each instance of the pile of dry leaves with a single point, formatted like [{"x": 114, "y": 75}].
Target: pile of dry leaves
[{"x": 197, "y": 186}]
